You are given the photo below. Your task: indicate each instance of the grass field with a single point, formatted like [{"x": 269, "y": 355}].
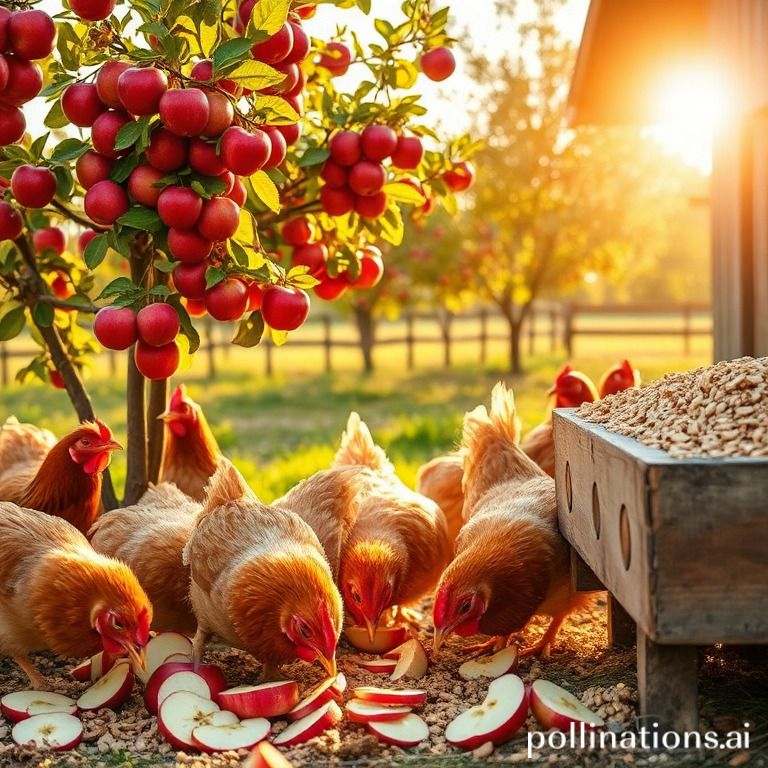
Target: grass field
[{"x": 282, "y": 429}]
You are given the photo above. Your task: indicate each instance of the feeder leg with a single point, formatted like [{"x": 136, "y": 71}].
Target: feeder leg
[{"x": 621, "y": 626}]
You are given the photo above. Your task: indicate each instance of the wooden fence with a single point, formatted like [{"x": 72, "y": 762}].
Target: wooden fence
[{"x": 554, "y": 325}]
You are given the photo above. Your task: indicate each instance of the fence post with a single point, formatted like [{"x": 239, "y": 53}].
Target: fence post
[
  {"x": 268, "y": 356},
  {"x": 532, "y": 330},
  {"x": 687, "y": 329},
  {"x": 409, "y": 340},
  {"x": 210, "y": 348},
  {"x": 327, "y": 342},
  {"x": 483, "y": 335},
  {"x": 568, "y": 315},
  {"x": 4, "y": 376},
  {"x": 552, "y": 329}
]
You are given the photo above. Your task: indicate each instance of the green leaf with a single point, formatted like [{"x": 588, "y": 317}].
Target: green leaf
[
  {"x": 268, "y": 16},
  {"x": 245, "y": 234},
  {"x": 275, "y": 110},
  {"x": 249, "y": 331},
  {"x": 384, "y": 28},
  {"x": 56, "y": 87},
  {"x": 69, "y": 149},
  {"x": 64, "y": 181},
  {"x": 229, "y": 54},
  {"x": 42, "y": 314},
  {"x": 124, "y": 167},
  {"x": 38, "y": 145},
  {"x": 404, "y": 193},
  {"x": 56, "y": 117},
  {"x": 213, "y": 276},
  {"x": 117, "y": 286},
  {"x": 264, "y": 188},
  {"x": 162, "y": 265},
  {"x": 160, "y": 290},
  {"x": 185, "y": 320},
  {"x": 12, "y": 324},
  {"x": 95, "y": 251},
  {"x": 129, "y": 134},
  {"x": 314, "y": 156},
  {"x": 391, "y": 224},
  {"x": 255, "y": 75},
  {"x": 141, "y": 218},
  {"x": 208, "y": 186},
  {"x": 156, "y": 28}
]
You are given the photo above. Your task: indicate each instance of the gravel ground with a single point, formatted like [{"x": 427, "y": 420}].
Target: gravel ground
[{"x": 734, "y": 687}]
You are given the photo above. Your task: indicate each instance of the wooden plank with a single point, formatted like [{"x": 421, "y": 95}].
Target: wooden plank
[
  {"x": 583, "y": 577},
  {"x": 667, "y": 680},
  {"x": 622, "y": 630}
]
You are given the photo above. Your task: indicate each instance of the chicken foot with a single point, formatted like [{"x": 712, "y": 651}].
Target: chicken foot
[
  {"x": 403, "y": 615},
  {"x": 39, "y": 683},
  {"x": 198, "y": 645},
  {"x": 544, "y": 646},
  {"x": 496, "y": 643}
]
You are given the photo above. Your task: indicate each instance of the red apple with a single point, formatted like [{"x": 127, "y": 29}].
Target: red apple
[
  {"x": 554, "y": 707},
  {"x": 210, "y": 674},
  {"x": 182, "y": 712},
  {"x": 346, "y": 148},
  {"x": 184, "y": 111},
  {"x": 279, "y": 148},
  {"x": 94, "y": 668},
  {"x": 4, "y": 72},
  {"x": 11, "y": 223},
  {"x": 407, "y": 731},
  {"x": 312, "y": 725},
  {"x": 84, "y": 239},
  {"x": 284, "y": 309},
  {"x": 203, "y": 72},
  {"x": 141, "y": 185},
  {"x": 157, "y": 324},
  {"x": 408, "y": 153},
  {"x": 255, "y": 296},
  {"x": 312, "y": 255},
  {"x": 105, "y": 202},
  {"x": 371, "y": 268},
  {"x": 31, "y": 34},
  {"x": 275, "y": 48},
  {"x": 115, "y": 327},
  {"x": 104, "y": 132},
  {"x": 179, "y": 207},
  {"x": 188, "y": 245},
  {"x": 315, "y": 699},
  {"x": 92, "y": 10},
  {"x": 330, "y": 288},
  {"x": 438, "y": 64},
  {"x": 25, "y": 81},
  {"x": 33, "y": 187},
  {"x": 166, "y": 151},
  {"x": 264, "y": 700},
  {"x": 109, "y": 691},
  {"x": 291, "y": 133},
  {"x": 234, "y": 736},
  {"x": 50, "y": 238},
  {"x": 493, "y": 666},
  {"x": 371, "y": 207},
  {"x": 244, "y": 152},
  {"x": 189, "y": 280},
  {"x": 20, "y": 705},
  {"x": 219, "y": 219},
  {"x": 141, "y": 88},
  {"x": 334, "y": 175},
  {"x": 336, "y": 58},
  {"x": 238, "y": 194},
  {"x": 106, "y": 82},
  {"x": 195, "y": 307},
  {"x": 379, "y": 666},
  {"x": 412, "y": 661},
  {"x": 81, "y": 104},
  {"x": 160, "y": 648},
  {"x": 361, "y": 711},
  {"x": 227, "y": 300},
  {"x": 62, "y": 286},
  {"x": 367, "y": 178},
  {"x": 378, "y": 142},
  {"x": 91, "y": 168},
  {"x": 296, "y": 232},
  {"x": 497, "y": 719},
  {"x": 5, "y": 17},
  {"x": 301, "y": 44},
  {"x": 220, "y": 114},
  {"x": 410, "y": 697},
  {"x": 228, "y": 179},
  {"x": 156, "y": 362},
  {"x": 12, "y": 125},
  {"x": 58, "y": 731},
  {"x": 264, "y": 755},
  {"x": 337, "y": 202},
  {"x": 460, "y": 177},
  {"x": 385, "y": 639}
]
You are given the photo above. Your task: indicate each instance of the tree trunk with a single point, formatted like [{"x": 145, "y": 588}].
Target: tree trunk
[
  {"x": 366, "y": 328},
  {"x": 445, "y": 319},
  {"x": 515, "y": 349},
  {"x": 158, "y": 397}
]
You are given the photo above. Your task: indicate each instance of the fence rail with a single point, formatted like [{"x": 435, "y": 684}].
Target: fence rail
[{"x": 557, "y": 324}]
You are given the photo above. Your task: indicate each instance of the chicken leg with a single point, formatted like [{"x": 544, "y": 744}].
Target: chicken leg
[
  {"x": 39, "y": 683},
  {"x": 544, "y": 646},
  {"x": 198, "y": 645},
  {"x": 496, "y": 643}
]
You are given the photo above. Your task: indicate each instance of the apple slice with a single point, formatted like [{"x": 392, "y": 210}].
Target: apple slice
[
  {"x": 379, "y": 666},
  {"x": 407, "y": 731},
  {"x": 554, "y": 707},
  {"x": 182, "y": 712},
  {"x": 90, "y": 670},
  {"x": 312, "y": 725},
  {"x": 183, "y": 681},
  {"x": 494, "y": 666},
  {"x": 496, "y": 720},
  {"x": 223, "y": 738},
  {"x": 408, "y": 697},
  {"x": 264, "y": 755},
  {"x": 110, "y": 691},
  {"x": 57, "y": 730},
  {"x": 315, "y": 699},
  {"x": 162, "y": 647},
  {"x": 362, "y": 711},
  {"x": 395, "y": 652},
  {"x": 177, "y": 658},
  {"x": 385, "y": 639},
  {"x": 23, "y": 704},
  {"x": 265, "y": 700},
  {"x": 412, "y": 663},
  {"x": 211, "y": 674},
  {"x": 340, "y": 685}
]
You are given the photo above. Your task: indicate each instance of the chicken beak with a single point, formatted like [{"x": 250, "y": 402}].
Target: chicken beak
[
  {"x": 166, "y": 416},
  {"x": 328, "y": 664},
  {"x": 552, "y": 390},
  {"x": 372, "y": 626},
  {"x": 137, "y": 655},
  {"x": 113, "y": 445},
  {"x": 437, "y": 641}
]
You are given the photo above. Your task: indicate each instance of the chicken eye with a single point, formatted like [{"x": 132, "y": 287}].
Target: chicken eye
[
  {"x": 465, "y": 606},
  {"x": 356, "y": 597},
  {"x": 117, "y": 624},
  {"x": 305, "y": 632},
  {"x": 85, "y": 443}
]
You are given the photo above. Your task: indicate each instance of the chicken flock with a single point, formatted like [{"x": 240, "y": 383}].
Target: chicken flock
[{"x": 200, "y": 554}]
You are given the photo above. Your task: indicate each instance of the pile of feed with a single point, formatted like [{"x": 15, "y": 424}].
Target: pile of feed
[{"x": 717, "y": 411}]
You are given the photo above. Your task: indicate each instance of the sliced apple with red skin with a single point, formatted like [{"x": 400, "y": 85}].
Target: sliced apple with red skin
[
  {"x": 90, "y": 670},
  {"x": 176, "y": 657},
  {"x": 493, "y": 666},
  {"x": 412, "y": 662},
  {"x": 159, "y": 648},
  {"x": 109, "y": 691},
  {"x": 210, "y": 674},
  {"x": 395, "y": 652},
  {"x": 314, "y": 699},
  {"x": 57, "y": 731},
  {"x": 264, "y": 755},
  {"x": 223, "y": 738},
  {"x": 385, "y": 639},
  {"x": 23, "y": 704},
  {"x": 340, "y": 684},
  {"x": 379, "y": 666},
  {"x": 554, "y": 707},
  {"x": 182, "y": 712},
  {"x": 312, "y": 725},
  {"x": 407, "y": 731},
  {"x": 497, "y": 719},
  {"x": 407, "y": 697},
  {"x": 265, "y": 700},
  {"x": 361, "y": 711}
]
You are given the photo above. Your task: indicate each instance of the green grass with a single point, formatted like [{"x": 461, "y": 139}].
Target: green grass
[{"x": 282, "y": 429}]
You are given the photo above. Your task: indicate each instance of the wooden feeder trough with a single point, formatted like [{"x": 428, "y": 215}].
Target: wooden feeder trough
[{"x": 681, "y": 545}]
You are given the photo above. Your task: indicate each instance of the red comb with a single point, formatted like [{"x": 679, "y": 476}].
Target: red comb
[
  {"x": 177, "y": 398},
  {"x": 104, "y": 431}
]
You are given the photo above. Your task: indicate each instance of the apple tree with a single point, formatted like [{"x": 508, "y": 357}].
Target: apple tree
[{"x": 206, "y": 160}]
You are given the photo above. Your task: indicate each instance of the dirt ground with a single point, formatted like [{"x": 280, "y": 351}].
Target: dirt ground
[{"x": 734, "y": 690}]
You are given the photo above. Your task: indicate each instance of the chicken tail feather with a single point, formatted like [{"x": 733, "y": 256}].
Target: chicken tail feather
[
  {"x": 226, "y": 484},
  {"x": 358, "y": 446},
  {"x": 20, "y": 443}
]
